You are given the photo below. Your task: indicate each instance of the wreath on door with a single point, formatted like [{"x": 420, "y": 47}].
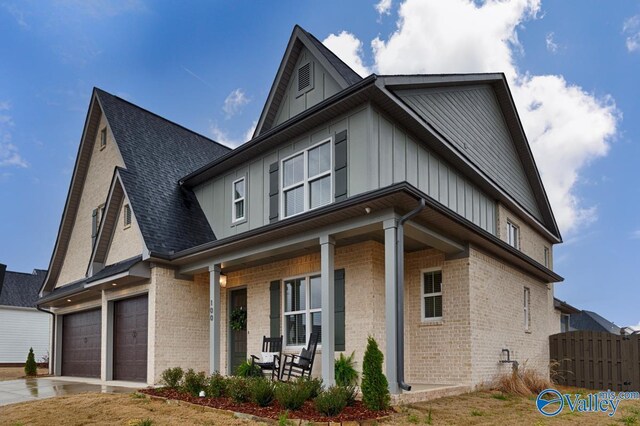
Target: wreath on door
[{"x": 238, "y": 320}]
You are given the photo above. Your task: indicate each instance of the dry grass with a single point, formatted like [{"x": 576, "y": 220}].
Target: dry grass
[
  {"x": 522, "y": 382},
  {"x": 13, "y": 373},
  {"x": 110, "y": 409}
]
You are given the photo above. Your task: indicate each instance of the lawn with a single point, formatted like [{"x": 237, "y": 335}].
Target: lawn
[{"x": 13, "y": 373}]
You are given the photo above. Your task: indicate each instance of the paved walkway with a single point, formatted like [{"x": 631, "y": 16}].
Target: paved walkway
[{"x": 22, "y": 390}]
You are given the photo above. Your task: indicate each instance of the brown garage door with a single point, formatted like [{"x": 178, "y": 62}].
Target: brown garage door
[
  {"x": 81, "y": 344},
  {"x": 130, "y": 339}
]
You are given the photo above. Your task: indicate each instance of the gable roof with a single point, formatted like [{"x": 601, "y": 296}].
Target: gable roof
[
  {"x": 338, "y": 69},
  {"x": 588, "y": 320},
  {"x": 156, "y": 153},
  {"x": 21, "y": 288}
]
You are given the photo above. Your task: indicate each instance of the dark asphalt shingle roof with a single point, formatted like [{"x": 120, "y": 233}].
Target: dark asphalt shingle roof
[
  {"x": 587, "y": 320},
  {"x": 21, "y": 288},
  {"x": 156, "y": 154}
]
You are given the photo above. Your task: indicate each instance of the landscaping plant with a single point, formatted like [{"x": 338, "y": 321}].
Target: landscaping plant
[
  {"x": 312, "y": 387},
  {"x": 292, "y": 395},
  {"x": 216, "y": 385},
  {"x": 194, "y": 382},
  {"x": 31, "y": 368},
  {"x": 238, "y": 389},
  {"x": 172, "y": 377},
  {"x": 332, "y": 401},
  {"x": 375, "y": 387},
  {"x": 248, "y": 369},
  {"x": 262, "y": 391},
  {"x": 345, "y": 371}
]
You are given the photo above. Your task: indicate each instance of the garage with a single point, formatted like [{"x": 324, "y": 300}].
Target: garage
[
  {"x": 81, "y": 340},
  {"x": 130, "y": 325}
]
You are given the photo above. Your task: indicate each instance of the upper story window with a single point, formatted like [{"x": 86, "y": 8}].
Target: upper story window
[
  {"x": 307, "y": 179},
  {"x": 126, "y": 216},
  {"x": 302, "y": 306},
  {"x": 239, "y": 196},
  {"x": 546, "y": 257},
  {"x": 513, "y": 235},
  {"x": 432, "y": 295},
  {"x": 565, "y": 320},
  {"x": 103, "y": 138},
  {"x": 527, "y": 310}
]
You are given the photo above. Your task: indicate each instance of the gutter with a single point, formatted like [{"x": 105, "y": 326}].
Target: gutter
[
  {"x": 400, "y": 294},
  {"x": 53, "y": 338}
]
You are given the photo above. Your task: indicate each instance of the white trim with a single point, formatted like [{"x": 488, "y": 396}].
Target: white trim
[
  {"x": 234, "y": 201},
  {"x": 306, "y": 180},
  {"x": 527, "y": 308},
  {"x": 515, "y": 243},
  {"x": 307, "y": 311},
  {"x": 424, "y": 295}
]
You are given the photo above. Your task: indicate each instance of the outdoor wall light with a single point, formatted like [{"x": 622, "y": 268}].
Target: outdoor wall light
[
  {"x": 68, "y": 300},
  {"x": 223, "y": 280}
]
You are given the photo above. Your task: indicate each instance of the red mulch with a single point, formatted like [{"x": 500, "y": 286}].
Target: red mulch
[{"x": 308, "y": 412}]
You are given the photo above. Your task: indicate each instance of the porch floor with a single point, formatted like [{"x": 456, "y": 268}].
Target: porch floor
[{"x": 421, "y": 392}]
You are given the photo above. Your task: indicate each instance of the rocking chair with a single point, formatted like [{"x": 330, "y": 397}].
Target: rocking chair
[
  {"x": 301, "y": 365},
  {"x": 271, "y": 346}
]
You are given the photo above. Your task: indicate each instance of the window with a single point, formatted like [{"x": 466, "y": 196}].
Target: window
[
  {"x": 239, "y": 190},
  {"x": 103, "y": 138},
  {"x": 432, "y": 295},
  {"x": 513, "y": 235},
  {"x": 564, "y": 322},
  {"x": 306, "y": 180},
  {"x": 527, "y": 312},
  {"x": 546, "y": 256},
  {"x": 100, "y": 213},
  {"x": 126, "y": 216},
  {"x": 302, "y": 307}
]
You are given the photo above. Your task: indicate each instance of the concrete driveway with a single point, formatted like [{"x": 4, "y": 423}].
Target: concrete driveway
[{"x": 31, "y": 389}]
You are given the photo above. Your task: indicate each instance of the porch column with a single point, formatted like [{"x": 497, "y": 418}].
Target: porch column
[
  {"x": 390, "y": 302},
  {"x": 327, "y": 271},
  {"x": 214, "y": 318}
]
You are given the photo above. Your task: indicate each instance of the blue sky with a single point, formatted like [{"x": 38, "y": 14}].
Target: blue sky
[{"x": 573, "y": 67}]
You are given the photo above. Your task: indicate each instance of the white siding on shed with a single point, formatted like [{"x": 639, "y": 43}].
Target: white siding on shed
[{"x": 21, "y": 329}]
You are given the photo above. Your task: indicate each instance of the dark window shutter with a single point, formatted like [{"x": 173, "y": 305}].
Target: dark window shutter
[
  {"x": 341, "y": 166},
  {"x": 274, "y": 191},
  {"x": 274, "y": 316},
  {"x": 94, "y": 226},
  {"x": 338, "y": 284}
]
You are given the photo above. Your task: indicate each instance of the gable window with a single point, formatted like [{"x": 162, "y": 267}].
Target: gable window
[
  {"x": 546, "y": 256},
  {"x": 239, "y": 191},
  {"x": 513, "y": 235},
  {"x": 527, "y": 310},
  {"x": 301, "y": 307},
  {"x": 103, "y": 138},
  {"x": 564, "y": 322},
  {"x": 432, "y": 295},
  {"x": 306, "y": 179},
  {"x": 96, "y": 218},
  {"x": 126, "y": 215}
]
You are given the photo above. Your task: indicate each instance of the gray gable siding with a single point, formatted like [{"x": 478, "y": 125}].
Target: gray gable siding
[
  {"x": 293, "y": 102},
  {"x": 471, "y": 119}
]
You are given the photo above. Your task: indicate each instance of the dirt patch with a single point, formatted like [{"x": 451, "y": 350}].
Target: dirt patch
[
  {"x": 110, "y": 409},
  {"x": 13, "y": 373}
]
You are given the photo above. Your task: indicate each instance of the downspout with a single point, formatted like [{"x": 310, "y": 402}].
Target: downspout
[
  {"x": 53, "y": 338},
  {"x": 400, "y": 294}
]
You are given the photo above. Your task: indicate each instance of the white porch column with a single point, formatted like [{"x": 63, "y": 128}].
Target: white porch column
[
  {"x": 390, "y": 302},
  {"x": 214, "y": 318},
  {"x": 327, "y": 271}
]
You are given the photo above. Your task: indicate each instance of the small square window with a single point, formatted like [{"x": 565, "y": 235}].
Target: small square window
[
  {"x": 239, "y": 197},
  {"x": 127, "y": 216},
  {"x": 103, "y": 138}
]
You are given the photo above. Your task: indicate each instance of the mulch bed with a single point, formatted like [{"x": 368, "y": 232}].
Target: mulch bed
[{"x": 357, "y": 412}]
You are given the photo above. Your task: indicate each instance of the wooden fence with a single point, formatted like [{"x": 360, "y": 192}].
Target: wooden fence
[{"x": 596, "y": 360}]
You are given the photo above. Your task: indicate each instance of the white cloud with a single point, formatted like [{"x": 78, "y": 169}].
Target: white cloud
[
  {"x": 221, "y": 135},
  {"x": 349, "y": 49},
  {"x": 383, "y": 7},
  {"x": 18, "y": 14},
  {"x": 636, "y": 327},
  {"x": 631, "y": 28},
  {"x": 9, "y": 154},
  {"x": 234, "y": 102},
  {"x": 566, "y": 126},
  {"x": 552, "y": 46}
]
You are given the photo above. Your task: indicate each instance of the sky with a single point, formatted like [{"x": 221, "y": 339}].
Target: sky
[{"x": 572, "y": 66}]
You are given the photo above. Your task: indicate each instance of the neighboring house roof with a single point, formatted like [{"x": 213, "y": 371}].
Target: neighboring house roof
[
  {"x": 587, "y": 320},
  {"x": 21, "y": 288},
  {"x": 564, "y": 307}
]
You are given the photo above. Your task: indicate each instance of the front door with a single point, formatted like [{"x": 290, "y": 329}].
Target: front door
[{"x": 237, "y": 337}]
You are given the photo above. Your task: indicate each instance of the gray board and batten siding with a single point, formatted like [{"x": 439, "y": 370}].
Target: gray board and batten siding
[
  {"x": 379, "y": 154},
  {"x": 471, "y": 118}
]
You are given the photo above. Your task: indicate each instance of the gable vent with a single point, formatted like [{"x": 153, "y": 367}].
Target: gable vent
[
  {"x": 127, "y": 216},
  {"x": 304, "y": 77}
]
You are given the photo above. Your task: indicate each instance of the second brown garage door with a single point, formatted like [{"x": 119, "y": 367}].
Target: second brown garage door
[
  {"x": 130, "y": 339},
  {"x": 81, "y": 344}
]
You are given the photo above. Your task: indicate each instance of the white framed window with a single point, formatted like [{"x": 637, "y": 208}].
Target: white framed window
[
  {"x": 239, "y": 189},
  {"x": 126, "y": 216},
  {"x": 564, "y": 322},
  {"x": 307, "y": 179},
  {"x": 103, "y": 138},
  {"x": 527, "y": 310},
  {"x": 431, "y": 294},
  {"x": 100, "y": 216},
  {"x": 546, "y": 257},
  {"x": 301, "y": 307},
  {"x": 513, "y": 235}
]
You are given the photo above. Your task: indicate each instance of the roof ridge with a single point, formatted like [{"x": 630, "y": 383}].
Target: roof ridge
[
  {"x": 25, "y": 273},
  {"x": 99, "y": 90},
  {"x": 324, "y": 49}
]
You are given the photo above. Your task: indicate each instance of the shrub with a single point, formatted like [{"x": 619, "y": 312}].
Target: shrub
[
  {"x": 292, "y": 395},
  {"x": 216, "y": 386},
  {"x": 171, "y": 377},
  {"x": 194, "y": 382},
  {"x": 345, "y": 371},
  {"x": 238, "y": 389},
  {"x": 262, "y": 391},
  {"x": 31, "y": 368},
  {"x": 375, "y": 387},
  {"x": 312, "y": 387},
  {"x": 352, "y": 392},
  {"x": 248, "y": 369},
  {"x": 332, "y": 401}
]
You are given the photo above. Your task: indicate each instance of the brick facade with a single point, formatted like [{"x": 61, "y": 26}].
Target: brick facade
[{"x": 531, "y": 242}]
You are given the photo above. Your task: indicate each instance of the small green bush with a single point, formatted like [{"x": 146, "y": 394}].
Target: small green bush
[
  {"x": 31, "y": 368},
  {"x": 312, "y": 387},
  {"x": 292, "y": 395},
  {"x": 248, "y": 369},
  {"x": 375, "y": 387},
  {"x": 345, "y": 372},
  {"x": 332, "y": 401},
  {"x": 172, "y": 377},
  {"x": 262, "y": 391},
  {"x": 238, "y": 389},
  {"x": 216, "y": 385},
  {"x": 352, "y": 392},
  {"x": 194, "y": 382}
]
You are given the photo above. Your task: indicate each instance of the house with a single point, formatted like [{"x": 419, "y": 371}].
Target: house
[
  {"x": 574, "y": 319},
  {"x": 408, "y": 208},
  {"x": 564, "y": 311},
  {"x": 22, "y": 326}
]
